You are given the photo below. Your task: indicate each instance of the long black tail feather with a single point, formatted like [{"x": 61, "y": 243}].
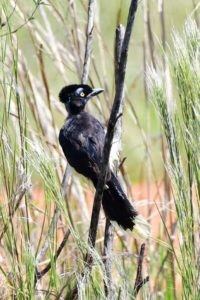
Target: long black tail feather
[{"x": 116, "y": 205}]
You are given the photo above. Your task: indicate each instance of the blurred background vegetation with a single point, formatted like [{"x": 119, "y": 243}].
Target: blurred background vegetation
[
  {"x": 42, "y": 46},
  {"x": 107, "y": 17}
]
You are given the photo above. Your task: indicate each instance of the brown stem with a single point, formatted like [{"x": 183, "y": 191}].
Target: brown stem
[
  {"x": 114, "y": 116},
  {"x": 40, "y": 274},
  {"x": 16, "y": 201},
  {"x": 111, "y": 124},
  {"x": 139, "y": 281},
  {"x": 108, "y": 247},
  {"x": 88, "y": 46},
  {"x": 53, "y": 224},
  {"x": 109, "y": 234}
]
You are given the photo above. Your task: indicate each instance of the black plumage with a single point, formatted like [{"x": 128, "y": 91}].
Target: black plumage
[{"x": 82, "y": 140}]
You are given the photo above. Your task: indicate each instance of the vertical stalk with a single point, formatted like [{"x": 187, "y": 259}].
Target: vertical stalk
[
  {"x": 109, "y": 233},
  {"x": 88, "y": 45}
]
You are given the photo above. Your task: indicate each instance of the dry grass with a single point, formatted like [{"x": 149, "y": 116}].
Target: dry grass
[{"x": 42, "y": 47}]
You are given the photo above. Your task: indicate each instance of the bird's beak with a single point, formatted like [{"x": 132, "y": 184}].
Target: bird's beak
[{"x": 95, "y": 92}]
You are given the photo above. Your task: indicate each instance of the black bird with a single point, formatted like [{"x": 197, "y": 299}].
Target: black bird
[{"x": 82, "y": 140}]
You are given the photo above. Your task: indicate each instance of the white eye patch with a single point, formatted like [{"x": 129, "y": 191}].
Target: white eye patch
[{"x": 79, "y": 92}]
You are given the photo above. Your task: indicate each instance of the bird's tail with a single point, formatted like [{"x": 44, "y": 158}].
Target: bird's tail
[{"x": 118, "y": 208}]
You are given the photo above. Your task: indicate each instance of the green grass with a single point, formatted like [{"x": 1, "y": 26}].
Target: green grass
[
  {"x": 30, "y": 156},
  {"x": 181, "y": 125}
]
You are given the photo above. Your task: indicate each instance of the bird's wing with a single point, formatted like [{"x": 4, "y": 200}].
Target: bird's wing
[
  {"x": 94, "y": 141},
  {"x": 84, "y": 150}
]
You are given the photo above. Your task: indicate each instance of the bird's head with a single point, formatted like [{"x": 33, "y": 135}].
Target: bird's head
[{"x": 75, "y": 97}]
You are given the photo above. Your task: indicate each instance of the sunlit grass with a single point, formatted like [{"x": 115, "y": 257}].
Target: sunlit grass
[
  {"x": 32, "y": 227},
  {"x": 181, "y": 125}
]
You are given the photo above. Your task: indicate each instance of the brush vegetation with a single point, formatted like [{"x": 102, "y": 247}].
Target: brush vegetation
[{"x": 45, "y": 220}]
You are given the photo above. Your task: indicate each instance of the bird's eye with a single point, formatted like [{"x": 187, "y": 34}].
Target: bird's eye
[{"x": 82, "y": 94}]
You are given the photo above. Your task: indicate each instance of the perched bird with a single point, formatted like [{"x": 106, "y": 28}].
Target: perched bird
[{"x": 82, "y": 140}]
